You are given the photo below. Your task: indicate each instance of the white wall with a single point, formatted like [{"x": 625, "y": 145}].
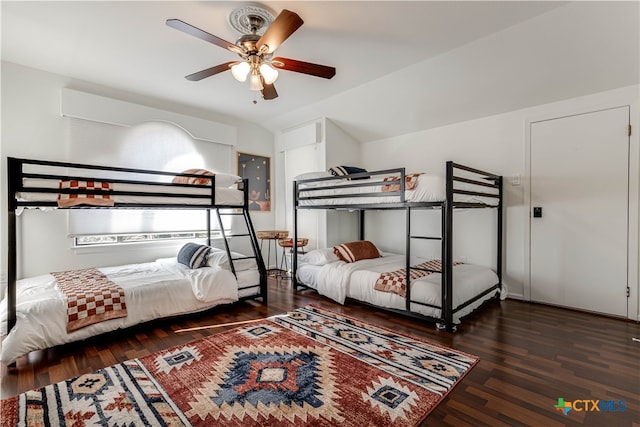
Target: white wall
[
  {"x": 342, "y": 150},
  {"x": 495, "y": 144},
  {"x": 579, "y": 48},
  {"x": 333, "y": 148},
  {"x": 32, "y": 127}
]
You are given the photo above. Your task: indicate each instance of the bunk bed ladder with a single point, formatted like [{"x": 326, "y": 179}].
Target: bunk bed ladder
[
  {"x": 408, "y": 252},
  {"x": 257, "y": 255},
  {"x": 225, "y": 239}
]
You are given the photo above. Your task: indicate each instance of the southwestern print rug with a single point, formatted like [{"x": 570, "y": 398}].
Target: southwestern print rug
[{"x": 308, "y": 367}]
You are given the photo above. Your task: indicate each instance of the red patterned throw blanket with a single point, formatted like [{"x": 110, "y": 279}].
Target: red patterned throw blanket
[
  {"x": 396, "y": 281},
  {"x": 67, "y": 200},
  {"x": 91, "y": 297},
  {"x": 410, "y": 182}
]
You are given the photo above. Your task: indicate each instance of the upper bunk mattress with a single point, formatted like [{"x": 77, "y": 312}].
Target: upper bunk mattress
[
  {"x": 156, "y": 195},
  {"x": 428, "y": 188}
]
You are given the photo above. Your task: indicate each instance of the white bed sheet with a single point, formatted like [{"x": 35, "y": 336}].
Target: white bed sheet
[
  {"x": 308, "y": 274},
  {"x": 429, "y": 188},
  {"x": 224, "y": 196},
  {"x": 246, "y": 280},
  {"x": 152, "y": 290},
  {"x": 339, "y": 280}
]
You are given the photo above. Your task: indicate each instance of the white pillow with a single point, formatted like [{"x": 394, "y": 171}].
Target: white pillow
[
  {"x": 226, "y": 179},
  {"x": 312, "y": 175},
  {"x": 218, "y": 258},
  {"x": 320, "y": 256}
]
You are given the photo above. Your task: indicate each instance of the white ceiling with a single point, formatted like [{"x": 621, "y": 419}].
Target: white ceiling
[{"x": 127, "y": 46}]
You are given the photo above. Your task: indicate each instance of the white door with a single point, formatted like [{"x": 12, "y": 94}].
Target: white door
[{"x": 580, "y": 180}]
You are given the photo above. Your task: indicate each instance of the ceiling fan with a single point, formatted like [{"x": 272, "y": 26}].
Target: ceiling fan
[{"x": 255, "y": 50}]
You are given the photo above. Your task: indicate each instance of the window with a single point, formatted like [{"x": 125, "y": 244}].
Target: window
[
  {"x": 150, "y": 145},
  {"x": 115, "y": 239}
]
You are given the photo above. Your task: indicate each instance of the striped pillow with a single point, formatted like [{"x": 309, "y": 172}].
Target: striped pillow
[
  {"x": 347, "y": 170},
  {"x": 193, "y": 180},
  {"x": 355, "y": 251},
  {"x": 193, "y": 255},
  {"x": 223, "y": 180}
]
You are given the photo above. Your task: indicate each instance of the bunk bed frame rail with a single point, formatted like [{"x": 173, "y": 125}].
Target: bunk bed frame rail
[
  {"x": 16, "y": 174},
  {"x": 478, "y": 184}
]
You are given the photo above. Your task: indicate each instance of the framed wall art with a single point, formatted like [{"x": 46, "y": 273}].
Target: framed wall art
[{"x": 257, "y": 170}]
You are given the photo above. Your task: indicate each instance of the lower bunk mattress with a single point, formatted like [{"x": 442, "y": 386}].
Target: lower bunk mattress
[
  {"x": 339, "y": 280},
  {"x": 153, "y": 290}
]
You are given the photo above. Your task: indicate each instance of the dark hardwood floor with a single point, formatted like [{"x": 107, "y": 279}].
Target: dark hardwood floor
[{"x": 530, "y": 355}]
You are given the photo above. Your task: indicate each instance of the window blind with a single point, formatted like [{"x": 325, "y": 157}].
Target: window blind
[{"x": 152, "y": 145}]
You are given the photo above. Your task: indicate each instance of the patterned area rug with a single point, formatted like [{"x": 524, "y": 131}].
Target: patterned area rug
[{"x": 309, "y": 367}]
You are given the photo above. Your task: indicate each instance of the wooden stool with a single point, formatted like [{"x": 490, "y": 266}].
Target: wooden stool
[
  {"x": 271, "y": 236},
  {"x": 288, "y": 243}
]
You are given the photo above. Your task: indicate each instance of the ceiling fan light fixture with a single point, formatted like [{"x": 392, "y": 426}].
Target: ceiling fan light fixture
[
  {"x": 255, "y": 82},
  {"x": 269, "y": 73},
  {"x": 240, "y": 71},
  {"x": 261, "y": 35}
]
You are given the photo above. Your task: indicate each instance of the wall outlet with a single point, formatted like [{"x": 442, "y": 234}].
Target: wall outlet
[
  {"x": 516, "y": 179},
  {"x": 3, "y": 277}
]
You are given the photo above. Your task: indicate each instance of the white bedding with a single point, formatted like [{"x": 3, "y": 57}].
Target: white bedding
[
  {"x": 152, "y": 290},
  {"x": 429, "y": 188},
  {"x": 248, "y": 282},
  {"x": 339, "y": 280},
  {"x": 224, "y": 196}
]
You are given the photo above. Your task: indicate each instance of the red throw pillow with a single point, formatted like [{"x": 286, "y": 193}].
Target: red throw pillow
[{"x": 355, "y": 251}]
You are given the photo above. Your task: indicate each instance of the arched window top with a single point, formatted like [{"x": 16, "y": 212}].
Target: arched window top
[
  {"x": 97, "y": 108},
  {"x": 162, "y": 145},
  {"x": 153, "y": 145}
]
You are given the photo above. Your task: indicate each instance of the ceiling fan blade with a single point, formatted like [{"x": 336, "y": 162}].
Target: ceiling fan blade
[
  {"x": 323, "y": 71},
  {"x": 210, "y": 71},
  {"x": 203, "y": 35},
  {"x": 269, "y": 91},
  {"x": 285, "y": 24}
]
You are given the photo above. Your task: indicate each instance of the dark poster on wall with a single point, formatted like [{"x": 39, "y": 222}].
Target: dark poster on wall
[{"x": 257, "y": 169}]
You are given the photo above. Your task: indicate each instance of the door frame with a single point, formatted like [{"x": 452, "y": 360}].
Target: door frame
[{"x": 633, "y": 249}]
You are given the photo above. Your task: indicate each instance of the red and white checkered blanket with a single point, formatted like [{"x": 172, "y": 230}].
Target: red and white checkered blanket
[
  {"x": 396, "y": 281},
  {"x": 91, "y": 297},
  {"x": 66, "y": 200}
]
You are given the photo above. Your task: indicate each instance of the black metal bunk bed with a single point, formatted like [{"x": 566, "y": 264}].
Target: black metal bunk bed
[
  {"x": 478, "y": 184},
  {"x": 140, "y": 189}
]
